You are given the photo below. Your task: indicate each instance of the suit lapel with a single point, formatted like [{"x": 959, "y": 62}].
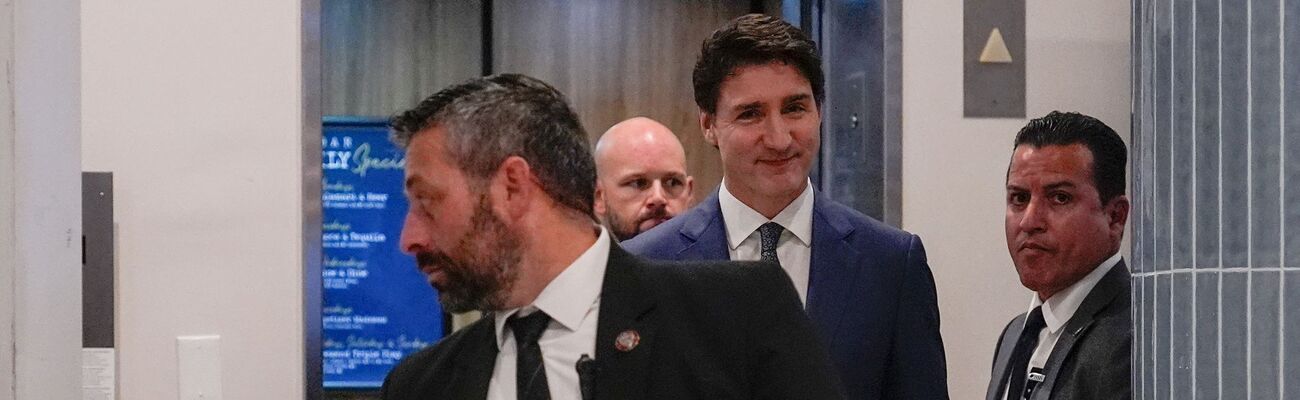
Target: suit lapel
[
  {"x": 625, "y": 306},
  {"x": 1006, "y": 345},
  {"x": 1112, "y": 285},
  {"x": 705, "y": 232},
  {"x": 475, "y": 362},
  {"x": 830, "y": 275}
]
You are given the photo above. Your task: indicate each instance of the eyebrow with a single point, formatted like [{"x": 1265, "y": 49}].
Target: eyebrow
[
  {"x": 646, "y": 175},
  {"x": 798, "y": 98},
  {"x": 748, "y": 106},
  {"x": 1060, "y": 185},
  {"x": 1050, "y": 186}
]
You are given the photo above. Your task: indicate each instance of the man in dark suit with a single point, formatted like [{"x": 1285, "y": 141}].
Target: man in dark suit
[
  {"x": 1066, "y": 211},
  {"x": 867, "y": 286},
  {"x": 501, "y": 184}
]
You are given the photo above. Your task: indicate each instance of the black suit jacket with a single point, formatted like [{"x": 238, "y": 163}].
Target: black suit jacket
[
  {"x": 718, "y": 330},
  {"x": 1092, "y": 358}
]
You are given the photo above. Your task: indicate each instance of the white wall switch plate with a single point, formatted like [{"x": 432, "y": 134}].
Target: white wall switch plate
[{"x": 199, "y": 367}]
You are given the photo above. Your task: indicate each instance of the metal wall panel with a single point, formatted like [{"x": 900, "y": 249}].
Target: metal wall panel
[{"x": 1213, "y": 131}]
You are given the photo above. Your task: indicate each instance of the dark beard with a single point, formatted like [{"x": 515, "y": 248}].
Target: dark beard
[
  {"x": 481, "y": 268},
  {"x": 624, "y": 231}
]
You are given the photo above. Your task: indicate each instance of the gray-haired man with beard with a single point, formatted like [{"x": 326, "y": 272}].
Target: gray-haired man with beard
[{"x": 501, "y": 182}]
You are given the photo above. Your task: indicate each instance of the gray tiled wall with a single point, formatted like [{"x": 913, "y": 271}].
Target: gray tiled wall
[{"x": 1216, "y": 196}]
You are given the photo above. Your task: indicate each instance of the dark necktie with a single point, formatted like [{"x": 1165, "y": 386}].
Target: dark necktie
[
  {"x": 1019, "y": 363},
  {"x": 530, "y": 376},
  {"x": 770, "y": 233}
]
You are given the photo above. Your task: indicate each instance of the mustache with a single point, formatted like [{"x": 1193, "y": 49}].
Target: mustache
[
  {"x": 656, "y": 213},
  {"x": 427, "y": 259}
]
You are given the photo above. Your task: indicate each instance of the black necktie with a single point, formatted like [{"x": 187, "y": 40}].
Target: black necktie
[
  {"x": 530, "y": 376},
  {"x": 1019, "y": 363},
  {"x": 770, "y": 233}
]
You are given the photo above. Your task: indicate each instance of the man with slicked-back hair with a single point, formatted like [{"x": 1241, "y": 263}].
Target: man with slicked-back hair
[{"x": 1066, "y": 211}]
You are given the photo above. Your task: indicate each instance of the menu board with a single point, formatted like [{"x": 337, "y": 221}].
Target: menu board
[{"x": 377, "y": 306}]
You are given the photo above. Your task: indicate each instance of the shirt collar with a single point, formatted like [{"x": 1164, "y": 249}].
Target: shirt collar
[
  {"x": 1058, "y": 309},
  {"x": 741, "y": 221},
  {"x": 571, "y": 294}
]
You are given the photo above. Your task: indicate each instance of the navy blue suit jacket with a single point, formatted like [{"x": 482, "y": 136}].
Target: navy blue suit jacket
[{"x": 871, "y": 295}]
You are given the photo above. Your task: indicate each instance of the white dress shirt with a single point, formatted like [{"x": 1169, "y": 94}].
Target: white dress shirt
[
  {"x": 1058, "y": 310},
  {"x": 794, "y": 248},
  {"x": 572, "y": 300}
]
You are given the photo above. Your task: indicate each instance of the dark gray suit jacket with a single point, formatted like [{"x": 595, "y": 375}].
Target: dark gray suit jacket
[
  {"x": 715, "y": 330},
  {"x": 1093, "y": 357}
]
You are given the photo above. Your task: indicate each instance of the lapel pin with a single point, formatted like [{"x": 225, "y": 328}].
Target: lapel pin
[{"x": 627, "y": 340}]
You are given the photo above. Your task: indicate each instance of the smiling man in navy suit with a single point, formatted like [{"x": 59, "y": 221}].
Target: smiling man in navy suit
[
  {"x": 866, "y": 285},
  {"x": 501, "y": 185}
]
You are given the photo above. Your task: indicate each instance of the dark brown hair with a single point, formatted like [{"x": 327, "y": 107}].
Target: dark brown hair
[{"x": 753, "y": 39}]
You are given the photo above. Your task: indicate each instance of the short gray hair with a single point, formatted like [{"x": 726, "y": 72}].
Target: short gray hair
[{"x": 491, "y": 118}]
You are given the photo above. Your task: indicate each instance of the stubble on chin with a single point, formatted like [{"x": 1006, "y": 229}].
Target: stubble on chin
[{"x": 485, "y": 273}]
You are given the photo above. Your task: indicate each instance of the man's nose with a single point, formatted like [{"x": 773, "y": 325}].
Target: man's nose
[
  {"x": 415, "y": 236},
  {"x": 778, "y": 135},
  {"x": 1033, "y": 219},
  {"x": 658, "y": 196}
]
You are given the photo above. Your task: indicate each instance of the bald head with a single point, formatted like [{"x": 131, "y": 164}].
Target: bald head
[{"x": 641, "y": 177}]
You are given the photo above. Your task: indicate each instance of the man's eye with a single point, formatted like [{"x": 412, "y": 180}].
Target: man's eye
[
  {"x": 640, "y": 184},
  {"x": 748, "y": 115},
  {"x": 1061, "y": 198},
  {"x": 420, "y": 205},
  {"x": 674, "y": 182},
  {"x": 795, "y": 108},
  {"x": 1018, "y": 198}
]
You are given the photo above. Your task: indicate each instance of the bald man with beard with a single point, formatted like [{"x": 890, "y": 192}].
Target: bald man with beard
[{"x": 641, "y": 177}]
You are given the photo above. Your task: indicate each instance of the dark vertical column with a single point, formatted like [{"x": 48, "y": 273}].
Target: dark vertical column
[
  {"x": 1182, "y": 142},
  {"x": 1235, "y": 188},
  {"x": 1291, "y": 102},
  {"x": 1234, "y": 331},
  {"x": 1149, "y": 321},
  {"x": 1180, "y": 337},
  {"x": 1265, "y": 189},
  {"x": 97, "y": 272},
  {"x": 852, "y": 153},
  {"x": 1161, "y": 143},
  {"x": 1264, "y": 331},
  {"x": 1144, "y": 348},
  {"x": 1291, "y": 341},
  {"x": 1235, "y": 134},
  {"x": 1291, "y": 203},
  {"x": 1207, "y": 335},
  {"x": 1162, "y": 386},
  {"x": 1265, "y": 133},
  {"x": 486, "y": 44},
  {"x": 1208, "y": 206}
]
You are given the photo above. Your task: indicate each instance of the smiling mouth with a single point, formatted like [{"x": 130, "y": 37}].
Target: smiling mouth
[{"x": 778, "y": 162}]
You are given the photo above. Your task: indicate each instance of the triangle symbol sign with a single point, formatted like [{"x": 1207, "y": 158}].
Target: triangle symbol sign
[{"x": 995, "y": 50}]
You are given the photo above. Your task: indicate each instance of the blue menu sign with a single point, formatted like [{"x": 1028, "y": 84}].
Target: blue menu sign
[{"x": 377, "y": 306}]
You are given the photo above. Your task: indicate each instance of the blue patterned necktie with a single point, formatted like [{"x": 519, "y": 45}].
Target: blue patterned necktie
[{"x": 770, "y": 234}]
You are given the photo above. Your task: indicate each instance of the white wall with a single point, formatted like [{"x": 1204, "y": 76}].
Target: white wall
[
  {"x": 40, "y": 201},
  {"x": 8, "y": 248},
  {"x": 196, "y": 108},
  {"x": 954, "y": 168}
]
